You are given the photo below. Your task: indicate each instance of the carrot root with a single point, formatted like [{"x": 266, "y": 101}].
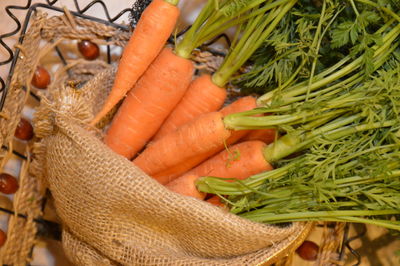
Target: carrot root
[
  {"x": 149, "y": 103},
  {"x": 266, "y": 135},
  {"x": 198, "y": 137},
  {"x": 238, "y": 161},
  {"x": 186, "y": 187},
  {"x": 147, "y": 40},
  {"x": 215, "y": 200},
  {"x": 202, "y": 96}
]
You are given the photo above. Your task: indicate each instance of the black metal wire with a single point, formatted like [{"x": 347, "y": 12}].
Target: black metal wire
[
  {"x": 46, "y": 228},
  {"x": 347, "y": 240},
  {"x": 9, "y": 34},
  {"x": 20, "y": 155},
  {"x": 171, "y": 39},
  {"x": 110, "y": 19}
]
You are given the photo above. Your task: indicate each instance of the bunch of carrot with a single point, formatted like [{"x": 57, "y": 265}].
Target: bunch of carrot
[
  {"x": 171, "y": 121},
  {"x": 343, "y": 123}
]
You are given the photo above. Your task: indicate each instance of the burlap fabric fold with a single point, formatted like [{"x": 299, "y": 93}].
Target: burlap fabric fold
[{"x": 113, "y": 213}]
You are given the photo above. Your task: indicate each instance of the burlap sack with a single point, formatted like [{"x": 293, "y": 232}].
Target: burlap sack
[{"x": 112, "y": 213}]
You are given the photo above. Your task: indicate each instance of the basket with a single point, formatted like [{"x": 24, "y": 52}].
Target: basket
[{"x": 27, "y": 223}]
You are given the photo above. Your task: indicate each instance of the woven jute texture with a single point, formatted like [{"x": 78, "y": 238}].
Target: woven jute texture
[
  {"x": 114, "y": 213},
  {"x": 111, "y": 212}
]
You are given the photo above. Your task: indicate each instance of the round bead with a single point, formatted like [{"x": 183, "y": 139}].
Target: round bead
[
  {"x": 308, "y": 250},
  {"x": 41, "y": 78},
  {"x": 8, "y": 184},
  {"x": 24, "y": 130},
  {"x": 88, "y": 49}
]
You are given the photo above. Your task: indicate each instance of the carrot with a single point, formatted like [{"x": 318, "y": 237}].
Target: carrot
[
  {"x": 239, "y": 161},
  {"x": 215, "y": 200},
  {"x": 186, "y": 187},
  {"x": 240, "y": 105},
  {"x": 149, "y": 37},
  {"x": 202, "y": 96},
  {"x": 195, "y": 138},
  {"x": 171, "y": 173},
  {"x": 149, "y": 103},
  {"x": 266, "y": 135},
  {"x": 204, "y": 90}
]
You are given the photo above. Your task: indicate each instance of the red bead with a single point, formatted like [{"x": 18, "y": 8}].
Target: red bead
[
  {"x": 3, "y": 238},
  {"x": 8, "y": 184},
  {"x": 88, "y": 49},
  {"x": 41, "y": 78},
  {"x": 308, "y": 250},
  {"x": 24, "y": 130}
]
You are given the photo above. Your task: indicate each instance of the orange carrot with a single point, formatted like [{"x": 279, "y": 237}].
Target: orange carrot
[
  {"x": 149, "y": 37},
  {"x": 171, "y": 173},
  {"x": 215, "y": 200},
  {"x": 149, "y": 103},
  {"x": 187, "y": 187},
  {"x": 240, "y": 105},
  {"x": 239, "y": 161},
  {"x": 266, "y": 135},
  {"x": 202, "y": 96},
  {"x": 195, "y": 138}
]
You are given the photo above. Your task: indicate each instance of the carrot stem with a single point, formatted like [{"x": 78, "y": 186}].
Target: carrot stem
[
  {"x": 217, "y": 17},
  {"x": 295, "y": 142},
  {"x": 259, "y": 216},
  {"x": 172, "y": 2},
  {"x": 241, "y": 19},
  {"x": 249, "y": 43},
  {"x": 185, "y": 47}
]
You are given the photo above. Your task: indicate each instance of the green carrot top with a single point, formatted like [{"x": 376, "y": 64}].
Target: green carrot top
[
  {"x": 172, "y": 2},
  {"x": 255, "y": 20}
]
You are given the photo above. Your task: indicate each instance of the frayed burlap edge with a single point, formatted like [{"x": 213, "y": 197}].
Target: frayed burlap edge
[{"x": 83, "y": 254}]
